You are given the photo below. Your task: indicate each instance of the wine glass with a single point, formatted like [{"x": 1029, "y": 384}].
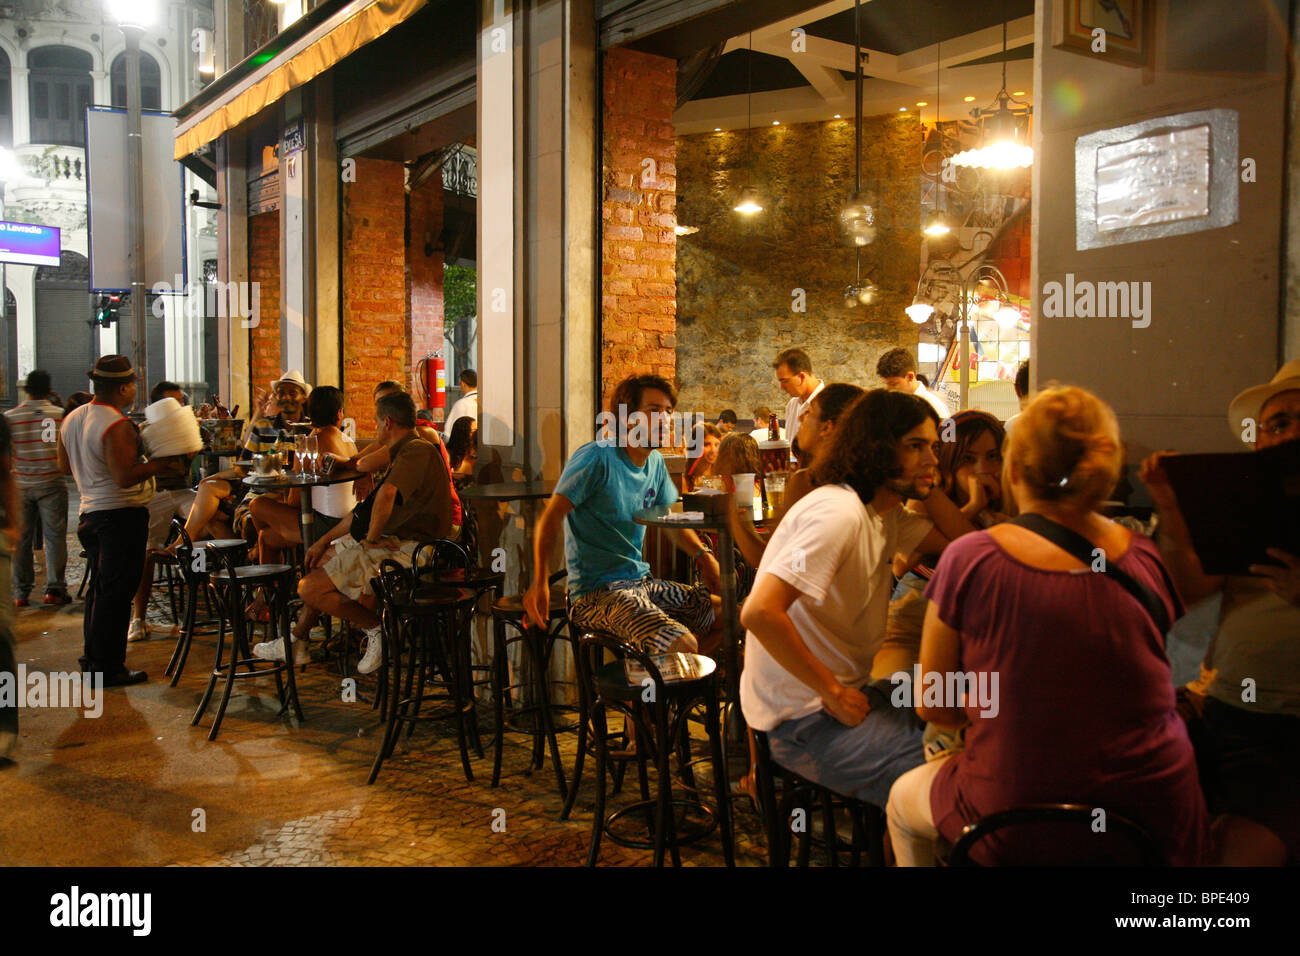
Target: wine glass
[
  {"x": 313, "y": 454},
  {"x": 300, "y": 453}
]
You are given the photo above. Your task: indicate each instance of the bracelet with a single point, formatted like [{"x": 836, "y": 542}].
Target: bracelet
[{"x": 704, "y": 549}]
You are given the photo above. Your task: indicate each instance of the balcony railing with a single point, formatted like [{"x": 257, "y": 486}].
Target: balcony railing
[{"x": 56, "y": 165}]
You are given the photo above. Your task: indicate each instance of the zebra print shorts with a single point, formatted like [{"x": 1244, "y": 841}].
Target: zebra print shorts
[{"x": 648, "y": 613}]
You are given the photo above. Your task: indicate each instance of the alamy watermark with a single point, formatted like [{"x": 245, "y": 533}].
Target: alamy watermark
[
  {"x": 228, "y": 300},
  {"x": 24, "y": 688},
  {"x": 641, "y": 430},
  {"x": 1085, "y": 299},
  {"x": 954, "y": 689}
]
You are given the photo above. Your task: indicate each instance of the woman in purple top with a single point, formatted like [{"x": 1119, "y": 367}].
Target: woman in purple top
[{"x": 1075, "y": 703}]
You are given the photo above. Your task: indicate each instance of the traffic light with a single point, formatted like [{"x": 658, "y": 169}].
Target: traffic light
[{"x": 107, "y": 309}]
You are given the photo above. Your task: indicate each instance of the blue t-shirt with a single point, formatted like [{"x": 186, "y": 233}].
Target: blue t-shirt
[{"x": 602, "y": 543}]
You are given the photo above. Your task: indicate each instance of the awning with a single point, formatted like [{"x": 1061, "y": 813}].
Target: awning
[{"x": 346, "y": 30}]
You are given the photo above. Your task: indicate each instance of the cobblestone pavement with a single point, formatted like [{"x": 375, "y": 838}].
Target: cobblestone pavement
[{"x": 139, "y": 785}]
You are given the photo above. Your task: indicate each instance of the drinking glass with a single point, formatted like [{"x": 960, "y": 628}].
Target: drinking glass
[
  {"x": 300, "y": 453},
  {"x": 313, "y": 453}
]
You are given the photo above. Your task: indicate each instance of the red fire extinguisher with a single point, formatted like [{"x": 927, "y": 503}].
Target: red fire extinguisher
[{"x": 434, "y": 379}]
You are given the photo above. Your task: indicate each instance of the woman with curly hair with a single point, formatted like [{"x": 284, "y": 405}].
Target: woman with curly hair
[{"x": 817, "y": 613}]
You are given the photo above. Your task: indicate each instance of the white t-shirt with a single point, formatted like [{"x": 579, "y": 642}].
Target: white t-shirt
[
  {"x": 794, "y": 410},
  {"x": 937, "y": 403},
  {"x": 837, "y": 552},
  {"x": 760, "y": 435},
  {"x": 466, "y": 407}
]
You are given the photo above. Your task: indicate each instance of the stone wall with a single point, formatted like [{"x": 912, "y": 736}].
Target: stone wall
[
  {"x": 639, "y": 295},
  {"x": 374, "y": 285},
  {"x": 737, "y": 277},
  {"x": 264, "y": 269}
]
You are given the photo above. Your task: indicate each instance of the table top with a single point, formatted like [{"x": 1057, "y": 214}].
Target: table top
[
  {"x": 656, "y": 517},
  {"x": 298, "y": 480},
  {"x": 509, "y": 490}
]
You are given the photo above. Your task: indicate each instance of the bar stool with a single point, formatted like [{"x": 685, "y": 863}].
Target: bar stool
[
  {"x": 805, "y": 796},
  {"x": 230, "y": 582},
  {"x": 421, "y": 648},
  {"x": 537, "y": 645},
  {"x": 1142, "y": 847},
  {"x": 195, "y": 580},
  {"x": 657, "y": 709}
]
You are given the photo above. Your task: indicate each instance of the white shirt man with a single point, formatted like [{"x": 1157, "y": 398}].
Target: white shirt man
[
  {"x": 466, "y": 407},
  {"x": 937, "y": 403}
]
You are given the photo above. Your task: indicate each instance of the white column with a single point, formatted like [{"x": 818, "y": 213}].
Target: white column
[
  {"x": 22, "y": 112},
  {"x": 22, "y": 283}
]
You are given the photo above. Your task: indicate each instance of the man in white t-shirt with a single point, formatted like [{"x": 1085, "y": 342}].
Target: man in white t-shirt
[
  {"x": 466, "y": 406},
  {"x": 816, "y": 615},
  {"x": 795, "y": 376},
  {"x": 897, "y": 369},
  {"x": 762, "y": 416}
]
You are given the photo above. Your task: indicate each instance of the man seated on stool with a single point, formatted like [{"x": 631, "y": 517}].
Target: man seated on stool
[
  {"x": 604, "y": 484},
  {"x": 410, "y": 504}
]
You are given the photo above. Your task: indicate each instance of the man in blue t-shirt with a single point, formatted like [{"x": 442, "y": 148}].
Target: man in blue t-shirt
[{"x": 604, "y": 484}]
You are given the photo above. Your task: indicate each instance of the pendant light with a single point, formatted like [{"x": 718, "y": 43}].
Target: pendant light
[
  {"x": 937, "y": 224},
  {"x": 1003, "y": 143},
  {"x": 748, "y": 203},
  {"x": 858, "y": 214}
]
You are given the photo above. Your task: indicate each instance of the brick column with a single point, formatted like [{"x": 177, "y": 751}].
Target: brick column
[
  {"x": 264, "y": 269},
  {"x": 374, "y": 285},
  {"x": 424, "y": 262},
  {"x": 639, "y": 252}
]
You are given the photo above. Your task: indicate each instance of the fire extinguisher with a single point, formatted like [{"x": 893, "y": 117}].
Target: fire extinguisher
[{"x": 433, "y": 379}]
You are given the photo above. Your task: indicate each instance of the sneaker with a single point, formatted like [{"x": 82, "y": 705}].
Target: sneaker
[
  {"x": 373, "y": 654},
  {"x": 138, "y": 632},
  {"x": 274, "y": 650},
  {"x": 57, "y": 598},
  {"x": 162, "y": 630}
]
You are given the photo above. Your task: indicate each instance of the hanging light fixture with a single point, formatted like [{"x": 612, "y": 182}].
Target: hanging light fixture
[
  {"x": 1002, "y": 144},
  {"x": 937, "y": 224},
  {"x": 920, "y": 310},
  {"x": 858, "y": 214},
  {"x": 748, "y": 203},
  {"x": 862, "y": 291}
]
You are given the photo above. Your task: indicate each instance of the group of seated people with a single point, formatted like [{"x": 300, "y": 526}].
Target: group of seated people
[
  {"x": 924, "y": 634},
  {"x": 408, "y": 495}
]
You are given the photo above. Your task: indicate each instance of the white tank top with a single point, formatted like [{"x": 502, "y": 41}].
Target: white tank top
[
  {"x": 83, "y": 437},
  {"x": 334, "y": 500}
]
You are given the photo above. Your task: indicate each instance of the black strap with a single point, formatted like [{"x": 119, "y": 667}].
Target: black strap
[{"x": 1081, "y": 548}]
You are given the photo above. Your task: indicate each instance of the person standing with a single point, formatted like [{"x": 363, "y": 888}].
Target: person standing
[
  {"x": 8, "y": 646},
  {"x": 101, "y": 449},
  {"x": 466, "y": 406},
  {"x": 795, "y": 376},
  {"x": 43, "y": 501},
  {"x": 897, "y": 368}
]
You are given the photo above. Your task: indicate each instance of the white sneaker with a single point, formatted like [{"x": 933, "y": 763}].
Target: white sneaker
[
  {"x": 138, "y": 632},
  {"x": 274, "y": 650},
  {"x": 373, "y": 654},
  {"x": 163, "y": 630}
]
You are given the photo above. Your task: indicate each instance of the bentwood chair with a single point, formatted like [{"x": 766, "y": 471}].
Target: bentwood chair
[
  {"x": 1122, "y": 842},
  {"x": 788, "y": 816},
  {"x": 632, "y": 685},
  {"x": 193, "y": 563}
]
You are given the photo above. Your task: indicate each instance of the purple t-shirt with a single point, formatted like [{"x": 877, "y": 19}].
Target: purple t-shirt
[{"x": 1085, "y": 698}]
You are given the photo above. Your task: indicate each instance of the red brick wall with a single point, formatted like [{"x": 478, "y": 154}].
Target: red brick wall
[
  {"x": 374, "y": 285},
  {"x": 1011, "y": 255},
  {"x": 264, "y": 269},
  {"x": 639, "y": 302},
  {"x": 424, "y": 281}
]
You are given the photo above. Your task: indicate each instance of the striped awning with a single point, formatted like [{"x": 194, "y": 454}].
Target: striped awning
[{"x": 348, "y": 29}]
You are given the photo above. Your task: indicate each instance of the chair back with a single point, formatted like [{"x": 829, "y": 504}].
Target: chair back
[
  {"x": 394, "y": 584},
  {"x": 185, "y": 552},
  {"x": 1076, "y": 819},
  {"x": 432, "y": 560}
]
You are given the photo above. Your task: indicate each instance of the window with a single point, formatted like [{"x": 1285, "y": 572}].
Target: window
[
  {"x": 60, "y": 91},
  {"x": 150, "y": 82},
  {"x": 6, "y": 103}
]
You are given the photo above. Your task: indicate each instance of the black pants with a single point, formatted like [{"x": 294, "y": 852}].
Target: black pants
[{"x": 115, "y": 544}]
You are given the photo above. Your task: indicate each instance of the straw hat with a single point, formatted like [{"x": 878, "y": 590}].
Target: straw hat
[
  {"x": 170, "y": 429},
  {"x": 292, "y": 377},
  {"x": 1252, "y": 401}
]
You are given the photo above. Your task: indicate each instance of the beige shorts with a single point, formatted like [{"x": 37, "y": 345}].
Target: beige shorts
[{"x": 354, "y": 564}]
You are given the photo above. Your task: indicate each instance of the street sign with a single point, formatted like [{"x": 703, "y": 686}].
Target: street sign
[
  {"x": 164, "y": 200},
  {"x": 28, "y": 244}
]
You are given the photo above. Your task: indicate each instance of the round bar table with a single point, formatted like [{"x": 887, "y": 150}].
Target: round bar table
[
  {"x": 509, "y": 491},
  {"x": 302, "y": 483}
]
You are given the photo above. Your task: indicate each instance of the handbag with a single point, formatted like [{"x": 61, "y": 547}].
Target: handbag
[{"x": 1080, "y": 547}]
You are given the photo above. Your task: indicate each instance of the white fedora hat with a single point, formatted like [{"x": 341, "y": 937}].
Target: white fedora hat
[
  {"x": 292, "y": 377},
  {"x": 1251, "y": 402}
]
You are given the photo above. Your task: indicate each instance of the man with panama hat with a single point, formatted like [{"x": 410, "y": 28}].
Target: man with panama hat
[
  {"x": 100, "y": 448},
  {"x": 1248, "y": 744}
]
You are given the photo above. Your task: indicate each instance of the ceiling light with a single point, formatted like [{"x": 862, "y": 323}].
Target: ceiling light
[
  {"x": 776, "y": 122},
  {"x": 923, "y": 103},
  {"x": 749, "y": 203},
  {"x": 968, "y": 99},
  {"x": 858, "y": 217},
  {"x": 681, "y": 230},
  {"x": 902, "y": 109},
  {"x": 1018, "y": 93},
  {"x": 717, "y": 129},
  {"x": 837, "y": 115},
  {"x": 1004, "y": 130},
  {"x": 1007, "y": 316}
]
